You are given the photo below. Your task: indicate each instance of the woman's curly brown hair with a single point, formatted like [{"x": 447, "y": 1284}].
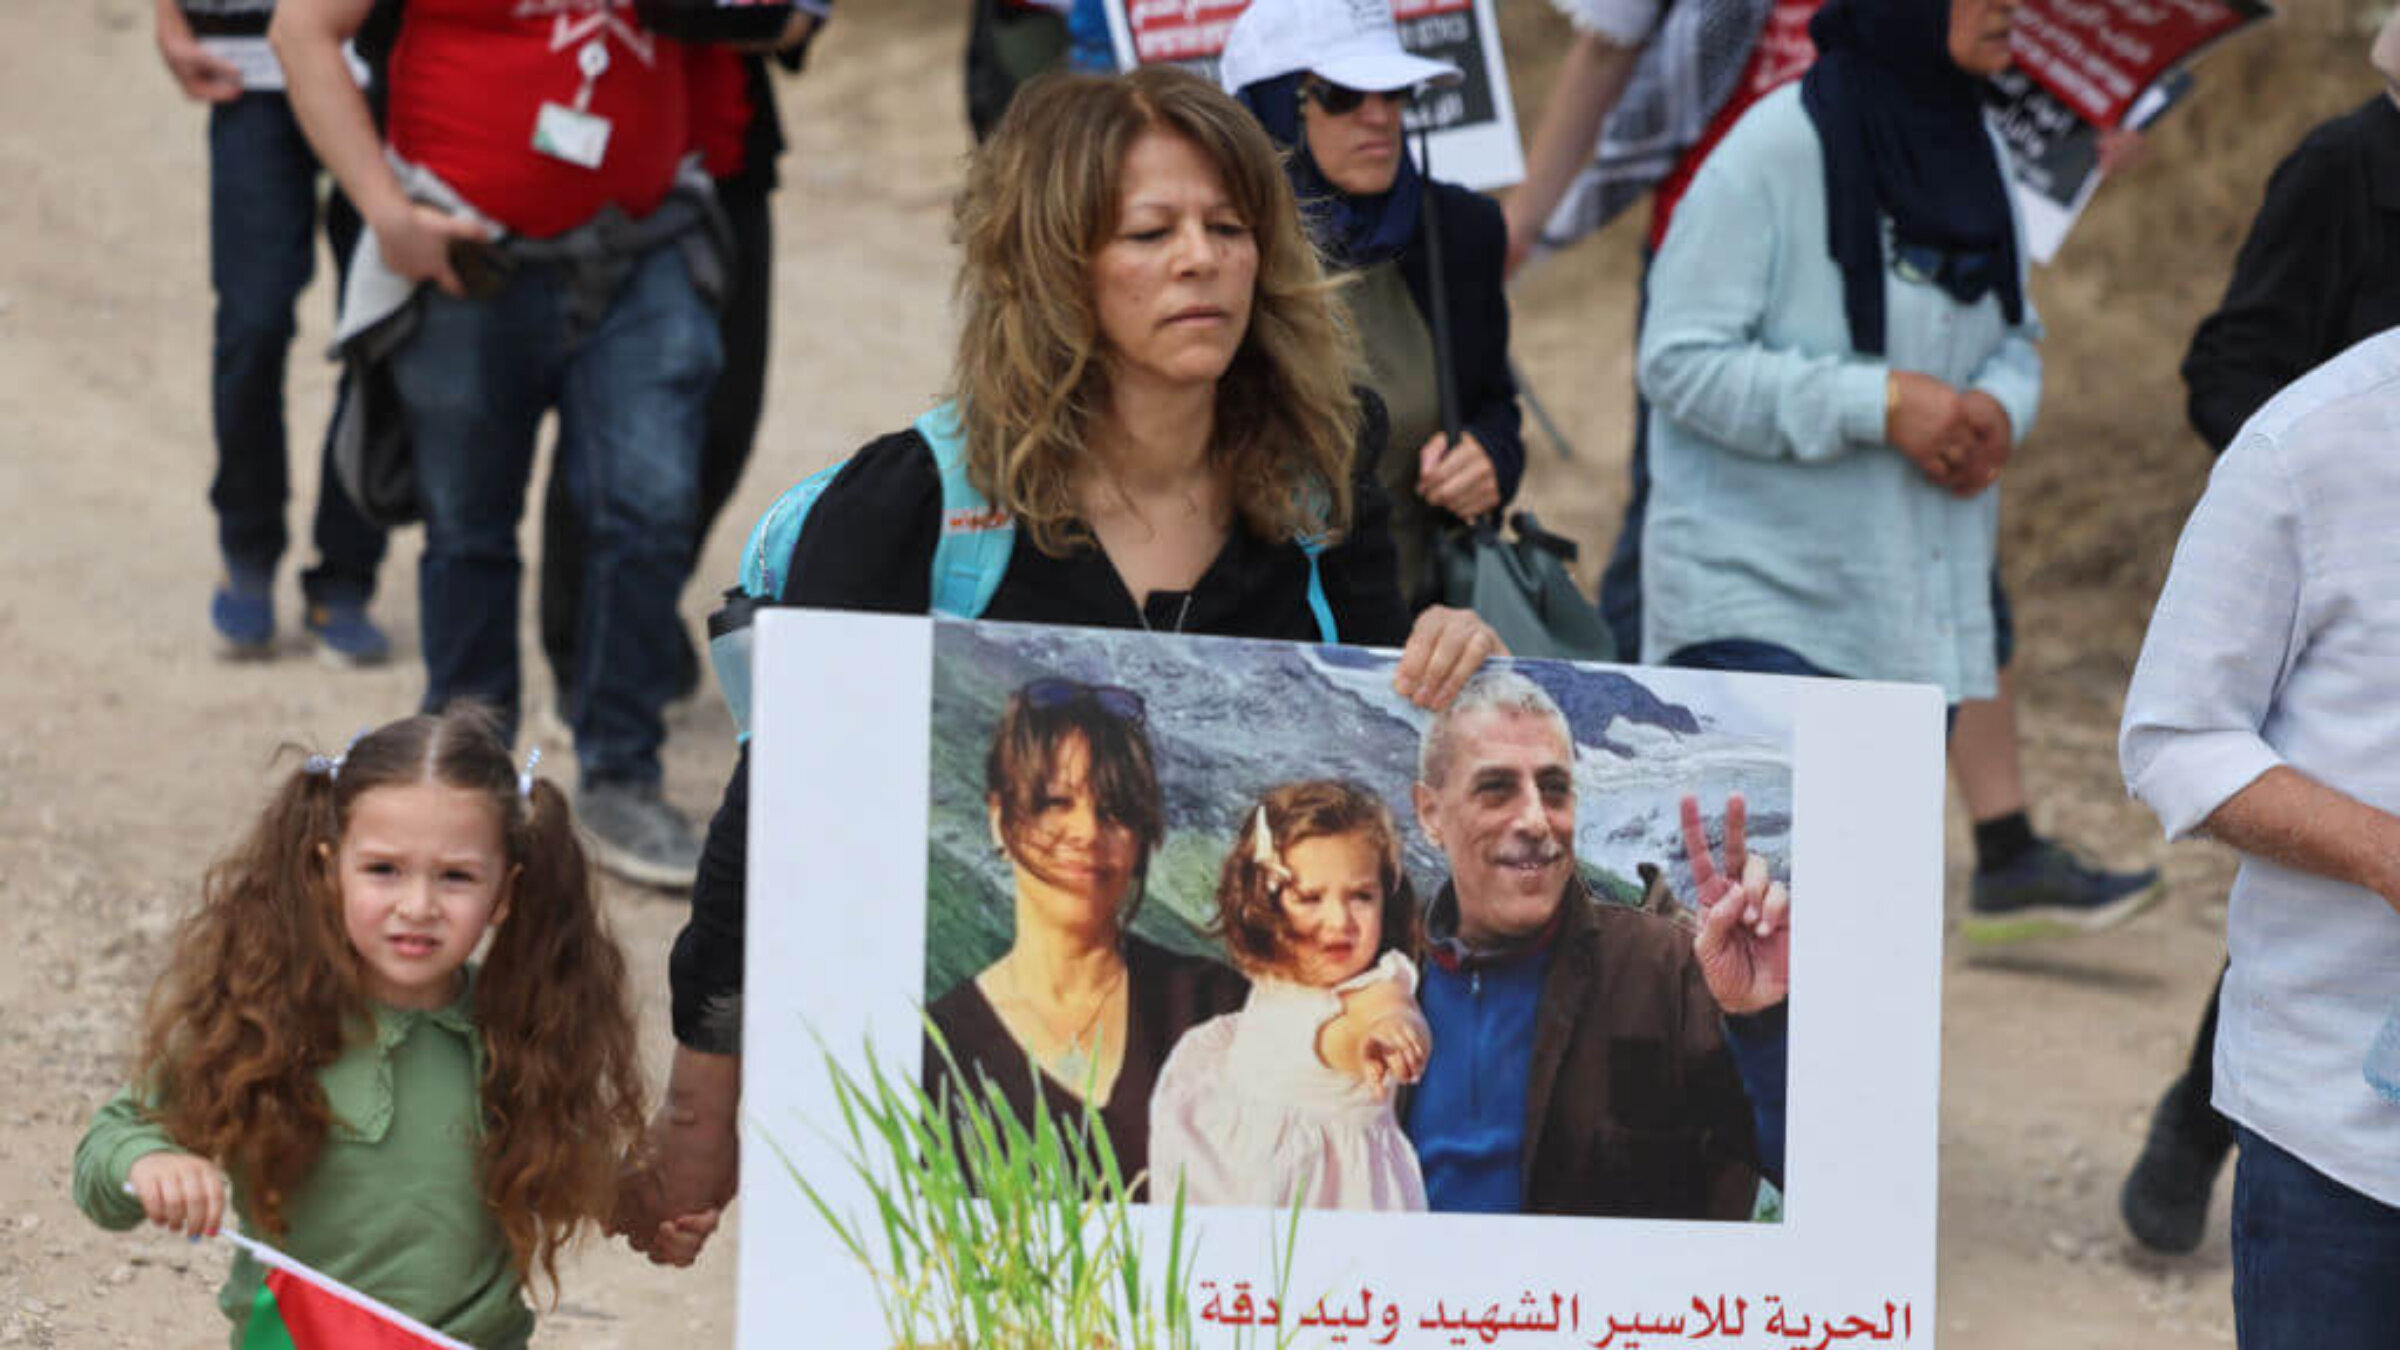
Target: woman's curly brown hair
[
  {"x": 1032, "y": 376},
  {"x": 264, "y": 991},
  {"x": 1250, "y": 915}
]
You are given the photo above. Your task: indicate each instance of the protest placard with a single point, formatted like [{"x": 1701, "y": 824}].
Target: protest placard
[
  {"x": 888, "y": 875},
  {"x": 1473, "y": 123},
  {"x": 2084, "y": 67}
]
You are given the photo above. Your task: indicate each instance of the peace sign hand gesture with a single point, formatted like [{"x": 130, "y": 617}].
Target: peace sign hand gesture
[{"x": 1745, "y": 938}]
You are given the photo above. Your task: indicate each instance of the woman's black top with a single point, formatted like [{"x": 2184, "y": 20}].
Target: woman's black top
[
  {"x": 1166, "y": 995},
  {"x": 869, "y": 546}
]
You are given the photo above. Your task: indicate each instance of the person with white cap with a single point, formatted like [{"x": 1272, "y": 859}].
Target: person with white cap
[
  {"x": 2319, "y": 273},
  {"x": 1330, "y": 81}
]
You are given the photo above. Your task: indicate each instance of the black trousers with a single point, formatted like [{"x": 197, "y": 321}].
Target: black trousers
[{"x": 733, "y": 415}]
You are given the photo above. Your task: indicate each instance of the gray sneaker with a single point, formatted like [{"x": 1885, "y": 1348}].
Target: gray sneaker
[{"x": 635, "y": 834}]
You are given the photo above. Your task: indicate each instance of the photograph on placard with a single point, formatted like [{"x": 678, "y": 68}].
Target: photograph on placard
[{"x": 1292, "y": 935}]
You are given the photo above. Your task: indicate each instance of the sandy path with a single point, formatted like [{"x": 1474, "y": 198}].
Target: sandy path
[{"x": 130, "y": 754}]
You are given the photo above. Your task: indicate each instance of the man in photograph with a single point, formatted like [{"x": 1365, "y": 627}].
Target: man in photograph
[{"x": 1590, "y": 1058}]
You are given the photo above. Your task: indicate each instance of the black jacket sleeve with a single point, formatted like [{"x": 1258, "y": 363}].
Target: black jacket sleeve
[
  {"x": 868, "y": 545},
  {"x": 2280, "y": 317},
  {"x": 1474, "y": 254}
]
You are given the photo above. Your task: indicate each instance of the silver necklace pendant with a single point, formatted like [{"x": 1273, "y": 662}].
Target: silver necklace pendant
[{"x": 1073, "y": 1066}]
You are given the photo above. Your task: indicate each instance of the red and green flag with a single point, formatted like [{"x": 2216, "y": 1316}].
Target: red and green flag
[{"x": 299, "y": 1309}]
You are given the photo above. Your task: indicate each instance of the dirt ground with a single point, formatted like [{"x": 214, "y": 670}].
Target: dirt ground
[{"x": 129, "y": 754}]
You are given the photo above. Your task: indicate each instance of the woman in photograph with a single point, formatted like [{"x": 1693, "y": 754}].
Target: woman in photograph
[
  {"x": 1153, "y": 384},
  {"x": 1291, "y": 1097},
  {"x": 1078, "y": 1010},
  {"x": 1329, "y": 80}
]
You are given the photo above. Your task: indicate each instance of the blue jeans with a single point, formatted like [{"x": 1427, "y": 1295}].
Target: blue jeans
[
  {"x": 262, "y": 220},
  {"x": 1747, "y": 654},
  {"x": 2316, "y": 1265},
  {"x": 632, "y": 401}
]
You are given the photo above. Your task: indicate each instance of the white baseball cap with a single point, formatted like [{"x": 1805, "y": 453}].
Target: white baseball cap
[{"x": 1352, "y": 43}]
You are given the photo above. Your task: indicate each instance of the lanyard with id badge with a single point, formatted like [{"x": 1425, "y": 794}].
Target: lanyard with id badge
[{"x": 576, "y": 135}]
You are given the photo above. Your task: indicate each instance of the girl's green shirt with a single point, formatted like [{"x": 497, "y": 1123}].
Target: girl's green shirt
[{"x": 394, "y": 1206}]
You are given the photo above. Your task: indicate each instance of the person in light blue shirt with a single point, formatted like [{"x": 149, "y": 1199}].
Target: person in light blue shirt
[
  {"x": 1839, "y": 356},
  {"x": 2262, "y": 714}
]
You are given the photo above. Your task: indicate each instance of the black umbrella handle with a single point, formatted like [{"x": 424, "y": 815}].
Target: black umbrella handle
[{"x": 1445, "y": 379}]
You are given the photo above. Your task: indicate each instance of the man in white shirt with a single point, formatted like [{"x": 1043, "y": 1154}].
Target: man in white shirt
[{"x": 2264, "y": 713}]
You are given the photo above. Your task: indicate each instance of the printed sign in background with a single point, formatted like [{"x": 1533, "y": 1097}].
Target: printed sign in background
[
  {"x": 1474, "y": 122},
  {"x": 2098, "y": 56},
  {"x": 2087, "y": 65},
  {"x": 841, "y": 814}
]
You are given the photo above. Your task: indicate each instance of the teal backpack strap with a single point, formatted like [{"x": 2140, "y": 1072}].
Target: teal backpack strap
[
  {"x": 971, "y": 555},
  {"x": 767, "y": 554},
  {"x": 1313, "y": 545},
  {"x": 1328, "y": 632}
]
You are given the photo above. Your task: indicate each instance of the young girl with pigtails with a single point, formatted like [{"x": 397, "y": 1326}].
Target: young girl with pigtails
[
  {"x": 322, "y": 1051},
  {"x": 1291, "y": 1097}
]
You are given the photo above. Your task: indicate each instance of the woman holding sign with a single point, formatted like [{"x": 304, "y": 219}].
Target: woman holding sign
[
  {"x": 1330, "y": 82},
  {"x": 1154, "y": 423}
]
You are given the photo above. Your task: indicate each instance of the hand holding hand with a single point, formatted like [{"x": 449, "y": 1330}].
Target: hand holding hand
[
  {"x": 1445, "y": 649},
  {"x": 1927, "y": 423},
  {"x": 683, "y": 1170},
  {"x": 678, "y": 1241},
  {"x": 1990, "y": 438},
  {"x": 1745, "y": 938},
  {"x": 1458, "y": 478},
  {"x": 178, "y": 1191},
  {"x": 416, "y": 244}
]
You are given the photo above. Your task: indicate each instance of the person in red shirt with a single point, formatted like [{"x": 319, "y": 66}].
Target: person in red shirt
[
  {"x": 736, "y": 133},
  {"x": 528, "y": 196}
]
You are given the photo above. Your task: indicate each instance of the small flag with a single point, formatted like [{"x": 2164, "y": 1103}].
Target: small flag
[{"x": 300, "y": 1309}]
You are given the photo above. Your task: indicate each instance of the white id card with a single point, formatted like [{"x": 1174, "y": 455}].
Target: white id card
[{"x": 579, "y": 138}]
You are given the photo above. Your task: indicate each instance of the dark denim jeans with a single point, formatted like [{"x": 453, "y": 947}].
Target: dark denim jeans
[
  {"x": 262, "y": 220},
  {"x": 733, "y": 413},
  {"x": 2316, "y": 1265},
  {"x": 632, "y": 400}
]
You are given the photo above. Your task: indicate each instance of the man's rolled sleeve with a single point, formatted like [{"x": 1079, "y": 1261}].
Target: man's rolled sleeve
[{"x": 2220, "y": 644}]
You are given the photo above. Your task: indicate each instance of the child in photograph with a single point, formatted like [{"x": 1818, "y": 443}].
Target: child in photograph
[
  {"x": 420, "y": 1128},
  {"x": 1292, "y": 1095}
]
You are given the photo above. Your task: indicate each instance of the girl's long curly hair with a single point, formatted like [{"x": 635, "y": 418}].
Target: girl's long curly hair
[
  {"x": 1032, "y": 376},
  {"x": 264, "y": 991}
]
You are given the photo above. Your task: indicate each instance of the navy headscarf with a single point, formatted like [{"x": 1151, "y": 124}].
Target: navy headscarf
[
  {"x": 1350, "y": 231},
  {"x": 1902, "y": 128}
]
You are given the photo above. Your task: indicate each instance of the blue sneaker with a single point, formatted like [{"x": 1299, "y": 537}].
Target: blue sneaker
[
  {"x": 243, "y": 613},
  {"x": 2049, "y": 892},
  {"x": 346, "y": 637}
]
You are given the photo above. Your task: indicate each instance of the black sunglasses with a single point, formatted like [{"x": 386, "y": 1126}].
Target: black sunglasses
[
  {"x": 1115, "y": 700},
  {"x": 1340, "y": 100}
]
